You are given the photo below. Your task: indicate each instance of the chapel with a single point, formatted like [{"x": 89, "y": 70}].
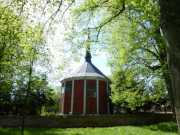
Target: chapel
[{"x": 86, "y": 91}]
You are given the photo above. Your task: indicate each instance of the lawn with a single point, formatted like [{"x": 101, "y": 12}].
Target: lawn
[{"x": 167, "y": 128}]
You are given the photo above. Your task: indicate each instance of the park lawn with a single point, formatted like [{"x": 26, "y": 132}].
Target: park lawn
[{"x": 167, "y": 128}]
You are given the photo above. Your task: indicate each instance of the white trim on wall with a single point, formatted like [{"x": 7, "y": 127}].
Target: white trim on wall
[
  {"x": 64, "y": 90},
  {"x": 84, "y": 106},
  {"x": 97, "y": 97},
  {"x": 72, "y": 96},
  {"x": 108, "y": 97}
]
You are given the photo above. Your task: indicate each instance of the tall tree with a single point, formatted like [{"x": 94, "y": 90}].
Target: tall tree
[
  {"x": 127, "y": 90},
  {"x": 136, "y": 41},
  {"x": 22, "y": 44},
  {"x": 170, "y": 25}
]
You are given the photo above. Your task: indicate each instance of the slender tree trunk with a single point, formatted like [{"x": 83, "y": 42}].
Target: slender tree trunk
[
  {"x": 170, "y": 25},
  {"x": 26, "y": 97}
]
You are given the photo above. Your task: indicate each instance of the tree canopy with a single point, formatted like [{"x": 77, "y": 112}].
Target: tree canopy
[{"x": 133, "y": 41}]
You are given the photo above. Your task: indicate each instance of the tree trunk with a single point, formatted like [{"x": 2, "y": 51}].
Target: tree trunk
[
  {"x": 170, "y": 25},
  {"x": 26, "y": 97},
  {"x": 164, "y": 66},
  {"x": 167, "y": 79}
]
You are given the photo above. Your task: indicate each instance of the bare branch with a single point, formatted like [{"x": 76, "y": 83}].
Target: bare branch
[
  {"x": 102, "y": 24},
  {"x": 43, "y": 10},
  {"x": 67, "y": 9},
  {"x": 153, "y": 53},
  {"x": 54, "y": 14},
  {"x": 113, "y": 17}
]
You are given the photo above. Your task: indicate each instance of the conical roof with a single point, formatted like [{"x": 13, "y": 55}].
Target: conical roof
[{"x": 87, "y": 70}]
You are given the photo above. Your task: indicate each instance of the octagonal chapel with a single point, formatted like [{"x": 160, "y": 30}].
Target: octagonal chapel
[{"x": 86, "y": 91}]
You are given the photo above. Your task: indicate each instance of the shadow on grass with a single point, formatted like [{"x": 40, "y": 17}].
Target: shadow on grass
[
  {"x": 10, "y": 131},
  {"x": 169, "y": 127},
  {"x": 37, "y": 131},
  {"x": 44, "y": 131}
]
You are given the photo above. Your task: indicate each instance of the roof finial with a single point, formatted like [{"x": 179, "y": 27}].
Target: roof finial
[
  {"x": 88, "y": 56},
  {"x": 88, "y": 53}
]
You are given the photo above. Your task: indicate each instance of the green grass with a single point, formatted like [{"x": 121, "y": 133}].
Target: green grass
[{"x": 167, "y": 128}]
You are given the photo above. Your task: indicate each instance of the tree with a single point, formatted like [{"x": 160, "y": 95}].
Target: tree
[
  {"x": 170, "y": 25},
  {"x": 127, "y": 90},
  {"x": 25, "y": 25},
  {"x": 11, "y": 27},
  {"x": 41, "y": 95},
  {"x": 53, "y": 104},
  {"x": 21, "y": 44},
  {"x": 131, "y": 91},
  {"x": 23, "y": 47},
  {"x": 136, "y": 41},
  {"x": 158, "y": 93}
]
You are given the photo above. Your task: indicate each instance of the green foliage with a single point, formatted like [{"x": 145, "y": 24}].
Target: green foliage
[
  {"x": 129, "y": 31},
  {"x": 158, "y": 93},
  {"x": 52, "y": 106},
  {"x": 127, "y": 91},
  {"x": 40, "y": 95},
  {"x": 22, "y": 52}
]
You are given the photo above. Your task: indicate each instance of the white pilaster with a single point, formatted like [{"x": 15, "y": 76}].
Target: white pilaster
[
  {"x": 60, "y": 100},
  {"x": 107, "y": 98},
  {"x": 72, "y": 96},
  {"x": 84, "y": 107},
  {"x": 64, "y": 90},
  {"x": 97, "y": 97}
]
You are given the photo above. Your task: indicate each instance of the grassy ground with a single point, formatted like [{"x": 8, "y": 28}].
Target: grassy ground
[{"x": 168, "y": 128}]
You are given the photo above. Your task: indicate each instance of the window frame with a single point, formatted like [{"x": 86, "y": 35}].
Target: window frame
[
  {"x": 68, "y": 88},
  {"x": 91, "y": 91}
]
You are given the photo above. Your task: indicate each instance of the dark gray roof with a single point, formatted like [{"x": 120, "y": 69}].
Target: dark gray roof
[{"x": 87, "y": 69}]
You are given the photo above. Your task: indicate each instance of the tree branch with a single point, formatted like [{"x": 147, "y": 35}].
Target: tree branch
[
  {"x": 102, "y": 24},
  {"x": 54, "y": 14},
  {"x": 153, "y": 53}
]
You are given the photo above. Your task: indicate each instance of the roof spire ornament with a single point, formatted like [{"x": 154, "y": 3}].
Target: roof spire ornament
[
  {"x": 88, "y": 56},
  {"x": 88, "y": 52}
]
